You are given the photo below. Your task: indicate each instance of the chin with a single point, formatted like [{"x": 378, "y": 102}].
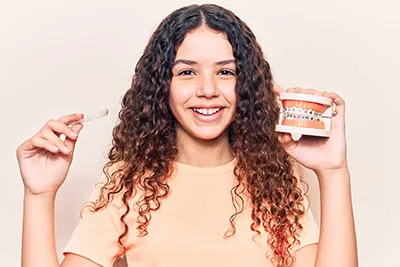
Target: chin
[
  {"x": 208, "y": 134},
  {"x": 205, "y": 133},
  {"x": 207, "y": 137}
]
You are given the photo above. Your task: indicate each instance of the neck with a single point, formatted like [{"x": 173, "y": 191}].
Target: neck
[{"x": 203, "y": 153}]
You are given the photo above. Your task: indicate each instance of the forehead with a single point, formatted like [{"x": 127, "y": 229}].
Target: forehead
[{"x": 204, "y": 44}]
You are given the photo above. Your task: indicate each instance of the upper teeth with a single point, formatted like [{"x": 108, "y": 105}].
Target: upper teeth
[{"x": 207, "y": 111}]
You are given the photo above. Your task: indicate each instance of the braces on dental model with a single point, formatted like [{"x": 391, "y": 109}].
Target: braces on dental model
[
  {"x": 299, "y": 117},
  {"x": 293, "y": 113}
]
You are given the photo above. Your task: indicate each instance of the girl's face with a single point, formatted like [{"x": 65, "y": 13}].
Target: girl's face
[{"x": 202, "y": 94}]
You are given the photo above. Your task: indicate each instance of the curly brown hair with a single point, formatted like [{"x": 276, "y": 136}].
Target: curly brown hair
[{"x": 144, "y": 140}]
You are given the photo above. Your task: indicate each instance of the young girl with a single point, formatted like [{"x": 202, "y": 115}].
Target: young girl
[{"x": 197, "y": 175}]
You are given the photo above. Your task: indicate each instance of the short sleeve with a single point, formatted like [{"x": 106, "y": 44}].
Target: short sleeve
[{"x": 96, "y": 235}]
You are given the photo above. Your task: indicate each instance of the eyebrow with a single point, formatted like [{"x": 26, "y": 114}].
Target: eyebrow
[{"x": 191, "y": 62}]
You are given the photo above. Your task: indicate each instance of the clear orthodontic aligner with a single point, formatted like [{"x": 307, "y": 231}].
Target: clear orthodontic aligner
[{"x": 292, "y": 113}]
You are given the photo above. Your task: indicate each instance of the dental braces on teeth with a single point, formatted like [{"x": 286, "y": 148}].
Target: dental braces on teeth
[
  {"x": 307, "y": 118},
  {"x": 293, "y": 113}
]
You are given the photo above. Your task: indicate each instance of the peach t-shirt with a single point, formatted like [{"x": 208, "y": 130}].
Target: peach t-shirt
[{"x": 187, "y": 230}]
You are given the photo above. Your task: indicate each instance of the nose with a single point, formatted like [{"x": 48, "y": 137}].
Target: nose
[{"x": 207, "y": 87}]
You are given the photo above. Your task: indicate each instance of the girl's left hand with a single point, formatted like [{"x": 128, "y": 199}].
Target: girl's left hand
[{"x": 319, "y": 154}]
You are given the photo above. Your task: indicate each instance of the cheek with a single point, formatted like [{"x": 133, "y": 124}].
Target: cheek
[
  {"x": 229, "y": 92},
  {"x": 179, "y": 94},
  {"x": 232, "y": 97},
  {"x": 173, "y": 102}
]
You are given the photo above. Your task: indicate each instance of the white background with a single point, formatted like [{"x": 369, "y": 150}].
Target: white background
[{"x": 59, "y": 57}]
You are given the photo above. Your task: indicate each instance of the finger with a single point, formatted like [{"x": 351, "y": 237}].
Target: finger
[
  {"x": 336, "y": 98},
  {"x": 339, "y": 103},
  {"x": 294, "y": 90},
  {"x": 277, "y": 89},
  {"x": 280, "y": 137},
  {"x": 55, "y": 140},
  {"x": 287, "y": 142},
  {"x": 70, "y": 142},
  {"x": 68, "y": 119},
  {"x": 60, "y": 128},
  {"x": 38, "y": 142},
  {"x": 284, "y": 138},
  {"x": 312, "y": 92}
]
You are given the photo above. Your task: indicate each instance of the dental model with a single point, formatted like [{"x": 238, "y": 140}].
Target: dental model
[{"x": 305, "y": 114}]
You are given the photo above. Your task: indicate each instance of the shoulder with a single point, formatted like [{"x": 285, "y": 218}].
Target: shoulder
[
  {"x": 116, "y": 181},
  {"x": 106, "y": 191}
]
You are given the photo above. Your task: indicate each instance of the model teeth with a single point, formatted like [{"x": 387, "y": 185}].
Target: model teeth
[{"x": 207, "y": 111}]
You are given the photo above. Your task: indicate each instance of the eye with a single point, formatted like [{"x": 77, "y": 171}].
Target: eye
[
  {"x": 186, "y": 72},
  {"x": 226, "y": 72}
]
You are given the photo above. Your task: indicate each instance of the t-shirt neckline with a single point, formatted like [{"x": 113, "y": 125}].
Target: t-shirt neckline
[{"x": 214, "y": 170}]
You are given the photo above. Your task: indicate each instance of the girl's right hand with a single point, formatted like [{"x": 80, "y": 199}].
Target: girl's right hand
[{"x": 44, "y": 159}]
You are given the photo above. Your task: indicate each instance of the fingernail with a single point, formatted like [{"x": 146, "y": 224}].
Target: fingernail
[{"x": 66, "y": 149}]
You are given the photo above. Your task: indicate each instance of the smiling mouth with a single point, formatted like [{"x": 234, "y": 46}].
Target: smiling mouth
[{"x": 206, "y": 111}]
